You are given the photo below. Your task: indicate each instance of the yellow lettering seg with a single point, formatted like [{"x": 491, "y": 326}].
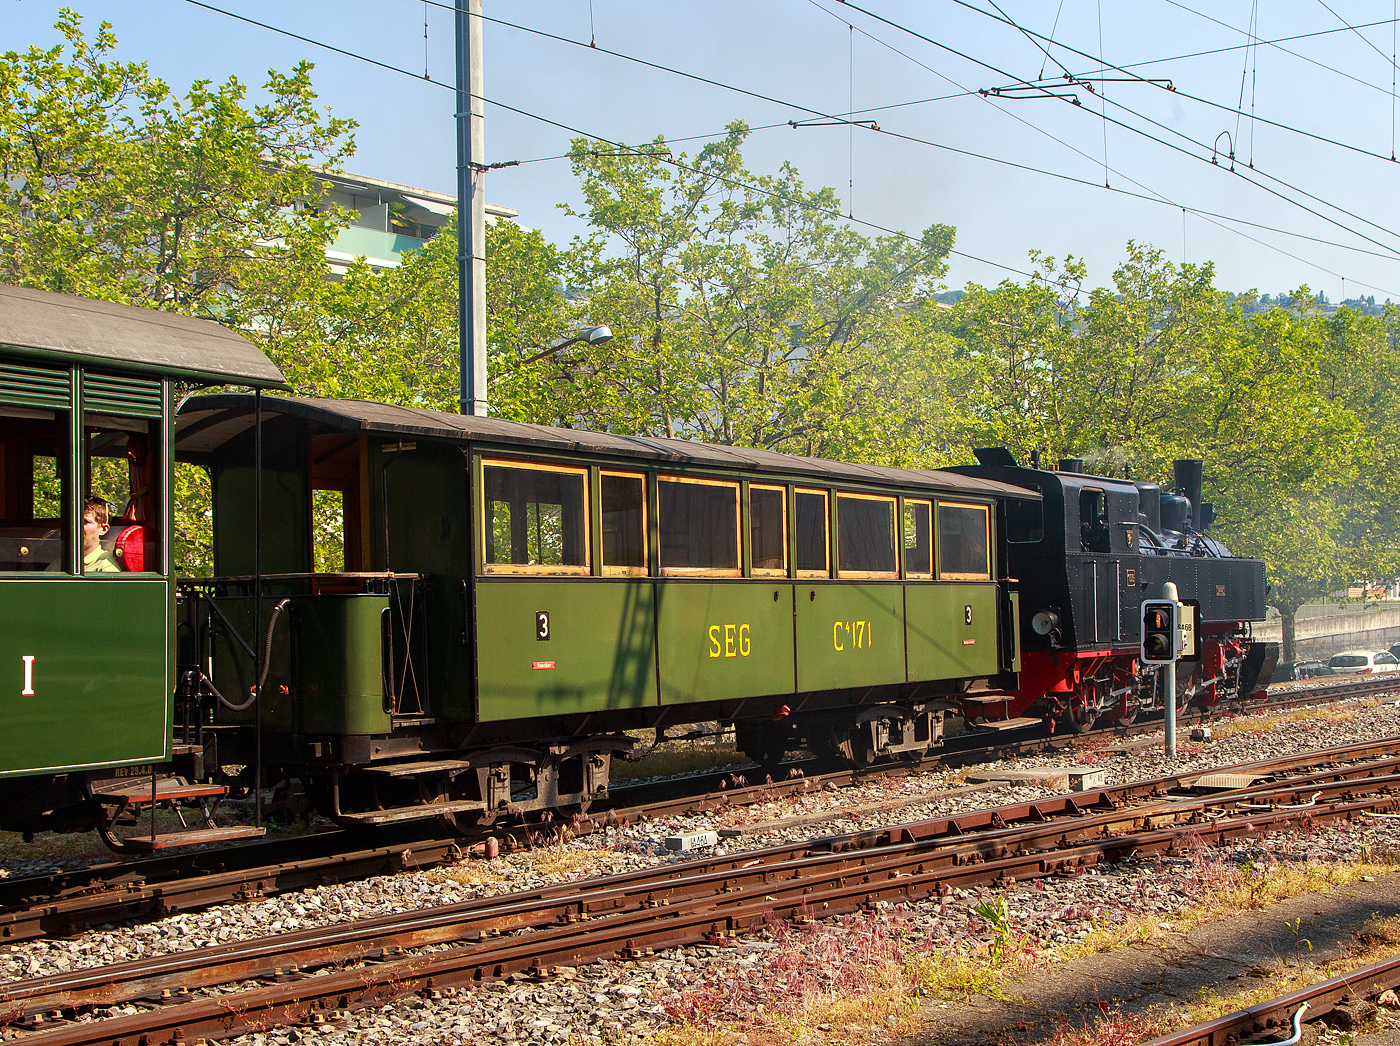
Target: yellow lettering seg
[
  {"x": 744, "y": 645},
  {"x": 729, "y": 641},
  {"x": 714, "y": 641}
]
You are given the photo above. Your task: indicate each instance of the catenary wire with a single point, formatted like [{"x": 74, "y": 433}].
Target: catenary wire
[
  {"x": 937, "y": 145},
  {"x": 835, "y": 214},
  {"x": 1151, "y": 137},
  {"x": 1109, "y": 65},
  {"x": 1276, "y": 43}
]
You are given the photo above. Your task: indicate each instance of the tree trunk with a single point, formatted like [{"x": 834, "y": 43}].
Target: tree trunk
[{"x": 1290, "y": 627}]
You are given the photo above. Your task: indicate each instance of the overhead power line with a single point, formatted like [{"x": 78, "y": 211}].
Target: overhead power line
[
  {"x": 670, "y": 160},
  {"x": 969, "y": 153},
  {"x": 1139, "y": 131}
]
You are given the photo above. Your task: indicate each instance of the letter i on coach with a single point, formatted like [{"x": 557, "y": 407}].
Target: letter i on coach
[{"x": 28, "y": 690}]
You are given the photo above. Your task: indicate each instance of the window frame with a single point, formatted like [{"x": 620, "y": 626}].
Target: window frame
[
  {"x": 986, "y": 511},
  {"x": 738, "y": 569},
  {"x": 825, "y": 495},
  {"x": 615, "y": 571},
  {"x": 896, "y": 538},
  {"x": 932, "y": 572},
  {"x": 560, "y": 570},
  {"x": 769, "y": 571},
  {"x": 155, "y": 430}
]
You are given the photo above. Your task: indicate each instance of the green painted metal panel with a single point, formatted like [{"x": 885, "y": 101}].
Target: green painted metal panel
[
  {"x": 942, "y": 644},
  {"x": 338, "y": 684},
  {"x": 849, "y": 635},
  {"x": 724, "y": 641},
  {"x": 122, "y": 395},
  {"x": 1015, "y": 630},
  {"x": 101, "y": 695},
  {"x": 32, "y": 385},
  {"x": 601, "y": 650}
]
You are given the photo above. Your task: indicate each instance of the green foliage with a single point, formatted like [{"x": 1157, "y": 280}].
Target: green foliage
[
  {"x": 744, "y": 312},
  {"x": 111, "y": 186}
]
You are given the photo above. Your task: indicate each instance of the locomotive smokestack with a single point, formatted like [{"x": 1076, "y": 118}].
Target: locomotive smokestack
[
  {"x": 1188, "y": 473},
  {"x": 1071, "y": 464}
]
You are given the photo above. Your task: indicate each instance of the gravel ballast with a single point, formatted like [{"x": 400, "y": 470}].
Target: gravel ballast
[{"x": 738, "y": 983}]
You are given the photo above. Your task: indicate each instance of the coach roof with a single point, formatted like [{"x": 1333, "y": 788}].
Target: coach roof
[
  {"x": 207, "y": 423},
  {"x": 68, "y": 328}
]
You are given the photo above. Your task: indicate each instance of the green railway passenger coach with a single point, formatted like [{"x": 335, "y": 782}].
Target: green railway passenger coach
[
  {"x": 87, "y": 406},
  {"x": 463, "y": 615}
]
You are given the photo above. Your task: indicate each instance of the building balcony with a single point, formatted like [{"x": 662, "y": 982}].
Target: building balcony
[{"x": 382, "y": 250}]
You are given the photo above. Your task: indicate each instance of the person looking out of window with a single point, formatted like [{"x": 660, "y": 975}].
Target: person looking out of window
[{"x": 96, "y": 559}]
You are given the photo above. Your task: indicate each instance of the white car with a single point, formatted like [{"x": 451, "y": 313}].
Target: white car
[{"x": 1363, "y": 662}]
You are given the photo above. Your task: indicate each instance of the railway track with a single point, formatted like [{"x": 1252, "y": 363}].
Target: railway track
[
  {"x": 704, "y": 901},
  {"x": 67, "y": 903},
  {"x": 1320, "y": 999}
]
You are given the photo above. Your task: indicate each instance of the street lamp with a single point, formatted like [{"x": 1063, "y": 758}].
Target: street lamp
[{"x": 588, "y": 335}]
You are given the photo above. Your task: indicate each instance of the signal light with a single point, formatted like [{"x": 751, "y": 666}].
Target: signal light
[{"x": 1158, "y": 632}]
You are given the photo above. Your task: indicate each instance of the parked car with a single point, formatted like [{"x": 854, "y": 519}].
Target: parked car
[
  {"x": 1364, "y": 662},
  {"x": 1293, "y": 671}
]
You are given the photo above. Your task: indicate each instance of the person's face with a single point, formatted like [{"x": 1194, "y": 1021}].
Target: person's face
[{"x": 92, "y": 532}]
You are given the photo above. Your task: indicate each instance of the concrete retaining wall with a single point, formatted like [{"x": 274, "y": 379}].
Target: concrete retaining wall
[{"x": 1324, "y": 631}]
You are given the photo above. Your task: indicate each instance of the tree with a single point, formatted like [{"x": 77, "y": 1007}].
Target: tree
[
  {"x": 743, "y": 311},
  {"x": 1164, "y": 366},
  {"x": 113, "y": 187}
]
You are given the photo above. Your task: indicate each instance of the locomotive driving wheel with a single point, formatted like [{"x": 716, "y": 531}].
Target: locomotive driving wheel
[{"x": 1085, "y": 705}]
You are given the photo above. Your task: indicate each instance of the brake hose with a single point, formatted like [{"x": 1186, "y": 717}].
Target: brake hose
[{"x": 267, "y": 662}]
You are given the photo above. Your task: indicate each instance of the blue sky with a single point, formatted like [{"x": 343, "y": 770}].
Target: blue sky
[{"x": 831, "y": 57}]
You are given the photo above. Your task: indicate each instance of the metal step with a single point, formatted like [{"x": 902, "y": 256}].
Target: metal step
[
  {"x": 1007, "y": 724},
  {"x": 413, "y": 813},
  {"x": 994, "y": 699},
  {"x": 135, "y": 791},
  {"x": 170, "y": 840},
  {"x": 406, "y": 769}
]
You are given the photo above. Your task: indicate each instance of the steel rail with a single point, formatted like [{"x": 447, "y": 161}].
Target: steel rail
[
  {"x": 951, "y": 842},
  {"x": 1321, "y": 999},
  {"x": 710, "y": 915},
  {"x": 66, "y": 903}
]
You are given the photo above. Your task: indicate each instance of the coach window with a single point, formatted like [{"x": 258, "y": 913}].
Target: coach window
[
  {"x": 33, "y": 484},
  {"x": 699, "y": 526},
  {"x": 865, "y": 546},
  {"x": 624, "y": 497},
  {"x": 813, "y": 553},
  {"x": 535, "y": 519},
  {"x": 918, "y": 539},
  {"x": 123, "y": 485},
  {"x": 767, "y": 530},
  {"x": 964, "y": 542}
]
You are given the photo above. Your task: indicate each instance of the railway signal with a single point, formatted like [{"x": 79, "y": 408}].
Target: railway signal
[{"x": 1159, "y": 621}]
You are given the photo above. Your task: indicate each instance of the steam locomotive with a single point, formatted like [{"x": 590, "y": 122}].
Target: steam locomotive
[{"x": 1086, "y": 554}]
